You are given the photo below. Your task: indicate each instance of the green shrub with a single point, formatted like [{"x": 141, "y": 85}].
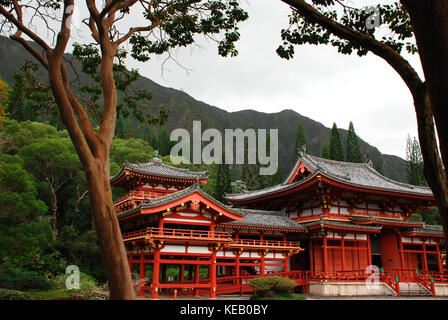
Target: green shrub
[
  {"x": 7, "y": 294},
  {"x": 26, "y": 280},
  {"x": 275, "y": 284},
  {"x": 87, "y": 285}
]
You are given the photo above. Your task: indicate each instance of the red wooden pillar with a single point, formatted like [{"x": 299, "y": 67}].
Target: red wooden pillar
[
  {"x": 262, "y": 264},
  {"x": 196, "y": 280},
  {"x": 325, "y": 254},
  {"x": 286, "y": 264},
  {"x": 237, "y": 265},
  {"x": 161, "y": 224},
  {"x": 343, "y": 253},
  {"x": 155, "y": 274},
  {"x": 425, "y": 261},
  {"x": 141, "y": 282},
  {"x": 131, "y": 265},
  {"x": 212, "y": 272},
  {"x": 181, "y": 273},
  {"x": 311, "y": 256},
  {"x": 369, "y": 250},
  {"x": 439, "y": 260},
  {"x": 401, "y": 251}
]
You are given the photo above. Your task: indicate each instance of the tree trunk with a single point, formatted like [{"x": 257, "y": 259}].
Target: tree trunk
[
  {"x": 429, "y": 21},
  {"x": 54, "y": 209},
  {"x": 94, "y": 156},
  {"x": 108, "y": 231},
  {"x": 433, "y": 168}
]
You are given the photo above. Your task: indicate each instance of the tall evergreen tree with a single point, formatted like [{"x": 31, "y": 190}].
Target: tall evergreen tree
[
  {"x": 325, "y": 152},
  {"x": 250, "y": 173},
  {"x": 164, "y": 142},
  {"x": 154, "y": 141},
  {"x": 336, "y": 152},
  {"x": 414, "y": 160},
  {"x": 300, "y": 140},
  {"x": 223, "y": 184},
  {"x": 353, "y": 152}
]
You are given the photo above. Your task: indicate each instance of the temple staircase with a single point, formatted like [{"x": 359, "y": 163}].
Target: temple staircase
[{"x": 411, "y": 289}]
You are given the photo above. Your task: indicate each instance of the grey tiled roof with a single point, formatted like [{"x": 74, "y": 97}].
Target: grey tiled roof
[
  {"x": 341, "y": 224},
  {"x": 437, "y": 230},
  {"x": 150, "y": 203},
  {"x": 359, "y": 174},
  {"x": 355, "y": 174},
  {"x": 156, "y": 168},
  {"x": 269, "y": 219},
  {"x": 380, "y": 220}
]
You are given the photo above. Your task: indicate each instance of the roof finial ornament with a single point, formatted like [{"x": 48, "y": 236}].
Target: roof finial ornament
[
  {"x": 156, "y": 158},
  {"x": 303, "y": 148}
]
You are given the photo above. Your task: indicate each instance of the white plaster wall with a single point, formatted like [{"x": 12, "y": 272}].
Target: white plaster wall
[{"x": 348, "y": 289}]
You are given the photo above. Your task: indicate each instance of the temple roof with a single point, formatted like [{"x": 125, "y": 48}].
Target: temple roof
[
  {"x": 265, "y": 219},
  {"x": 156, "y": 168},
  {"x": 341, "y": 224},
  {"x": 160, "y": 201},
  {"x": 351, "y": 174},
  {"x": 428, "y": 229},
  {"x": 375, "y": 220}
]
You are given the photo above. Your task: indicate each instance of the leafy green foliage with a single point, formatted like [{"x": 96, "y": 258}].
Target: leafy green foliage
[
  {"x": 8, "y": 294},
  {"x": 18, "y": 191},
  {"x": 87, "y": 285},
  {"x": 31, "y": 99},
  {"x": 272, "y": 283},
  {"x": 29, "y": 280},
  {"x": 4, "y": 93},
  {"x": 395, "y": 30}
]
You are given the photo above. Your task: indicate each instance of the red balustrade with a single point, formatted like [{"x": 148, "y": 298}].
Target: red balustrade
[
  {"x": 265, "y": 243},
  {"x": 181, "y": 234}
]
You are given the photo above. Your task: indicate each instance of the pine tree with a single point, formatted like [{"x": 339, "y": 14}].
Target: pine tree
[
  {"x": 325, "y": 152},
  {"x": 119, "y": 127},
  {"x": 250, "y": 173},
  {"x": 164, "y": 142},
  {"x": 147, "y": 133},
  {"x": 300, "y": 140},
  {"x": 223, "y": 184},
  {"x": 353, "y": 152},
  {"x": 336, "y": 152},
  {"x": 154, "y": 142},
  {"x": 414, "y": 160}
]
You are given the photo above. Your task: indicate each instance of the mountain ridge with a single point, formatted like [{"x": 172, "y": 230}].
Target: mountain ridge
[{"x": 184, "y": 108}]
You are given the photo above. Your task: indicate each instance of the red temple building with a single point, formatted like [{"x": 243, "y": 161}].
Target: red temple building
[{"x": 333, "y": 227}]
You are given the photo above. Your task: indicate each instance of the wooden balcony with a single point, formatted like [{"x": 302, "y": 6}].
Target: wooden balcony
[
  {"x": 209, "y": 236},
  {"x": 177, "y": 235},
  {"x": 265, "y": 244},
  {"x": 136, "y": 195}
]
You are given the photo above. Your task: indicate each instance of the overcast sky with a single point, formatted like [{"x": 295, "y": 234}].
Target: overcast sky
[{"x": 318, "y": 82}]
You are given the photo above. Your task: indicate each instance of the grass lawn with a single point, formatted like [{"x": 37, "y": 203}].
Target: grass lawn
[
  {"x": 49, "y": 294},
  {"x": 292, "y": 296}
]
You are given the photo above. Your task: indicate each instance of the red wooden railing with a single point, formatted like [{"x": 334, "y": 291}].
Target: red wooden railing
[
  {"x": 186, "y": 234},
  {"x": 180, "y": 234},
  {"x": 265, "y": 243}
]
